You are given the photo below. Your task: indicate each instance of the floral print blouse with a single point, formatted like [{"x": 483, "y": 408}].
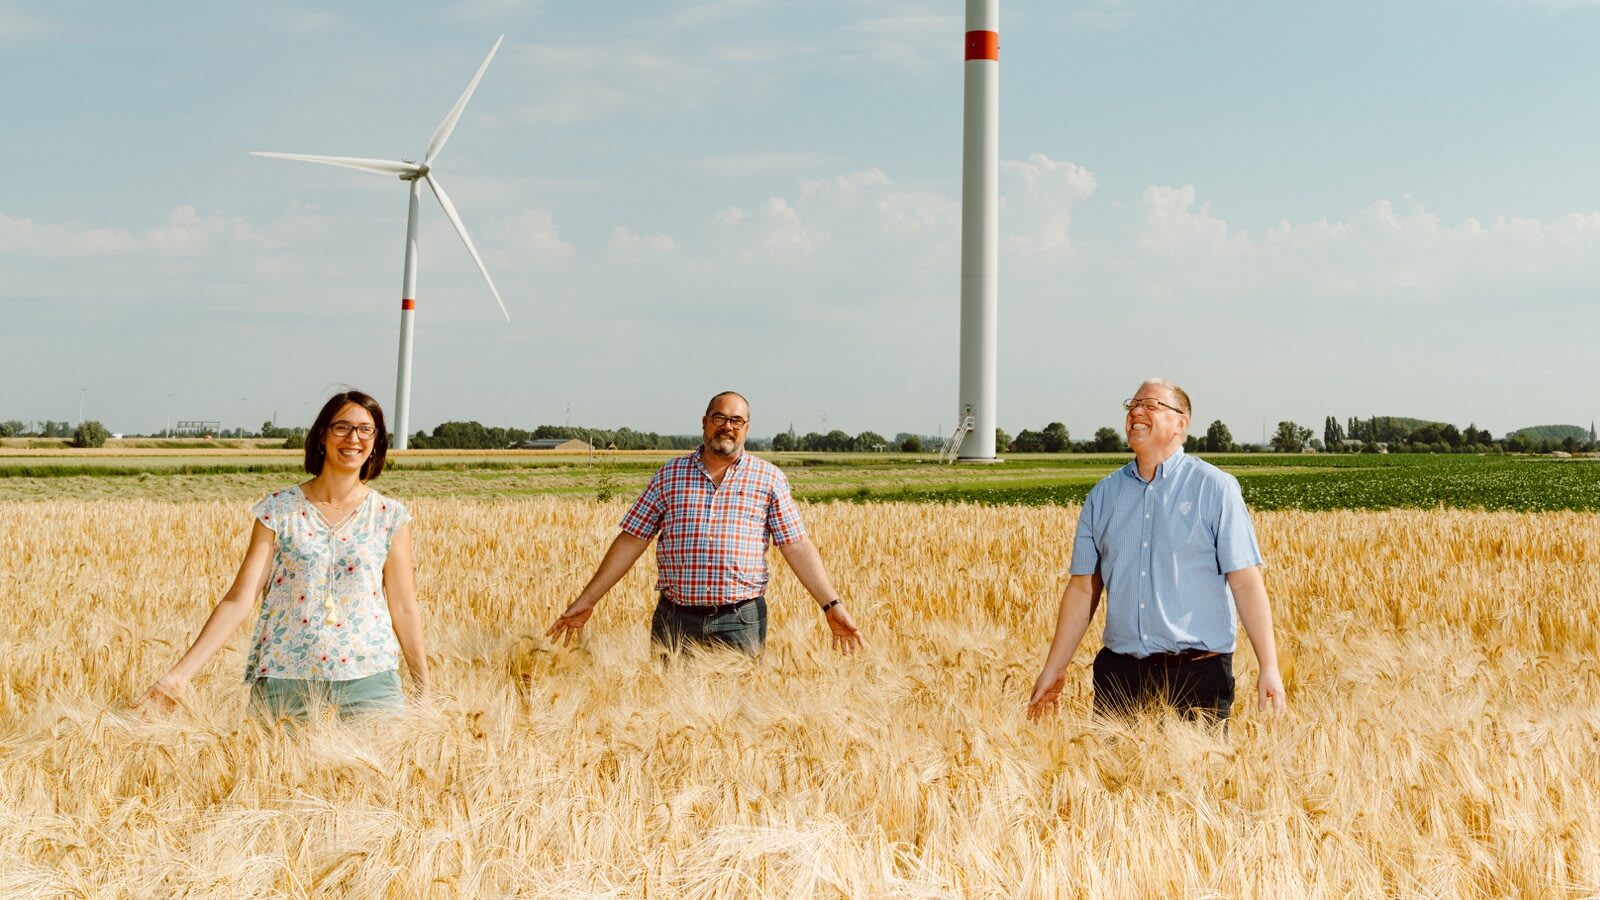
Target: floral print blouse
[{"x": 325, "y": 615}]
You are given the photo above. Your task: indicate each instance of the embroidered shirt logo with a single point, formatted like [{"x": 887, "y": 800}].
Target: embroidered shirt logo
[{"x": 1185, "y": 507}]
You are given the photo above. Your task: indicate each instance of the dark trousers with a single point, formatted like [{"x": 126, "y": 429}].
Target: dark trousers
[
  {"x": 1201, "y": 687},
  {"x": 735, "y": 626}
]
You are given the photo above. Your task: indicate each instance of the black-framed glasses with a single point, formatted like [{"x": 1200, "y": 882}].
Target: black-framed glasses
[
  {"x": 1149, "y": 404},
  {"x": 342, "y": 430},
  {"x": 736, "y": 421}
]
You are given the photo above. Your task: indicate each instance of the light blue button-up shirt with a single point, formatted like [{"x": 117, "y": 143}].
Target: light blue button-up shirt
[{"x": 1164, "y": 549}]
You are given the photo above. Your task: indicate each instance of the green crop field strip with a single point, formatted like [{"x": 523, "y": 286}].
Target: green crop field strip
[{"x": 1269, "y": 481}]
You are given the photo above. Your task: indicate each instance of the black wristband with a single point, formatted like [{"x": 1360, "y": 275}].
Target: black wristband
[{"x": 831, "y": 604}]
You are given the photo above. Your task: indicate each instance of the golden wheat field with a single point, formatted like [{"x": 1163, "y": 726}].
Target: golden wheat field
[{"x": 1444, "y": 736}]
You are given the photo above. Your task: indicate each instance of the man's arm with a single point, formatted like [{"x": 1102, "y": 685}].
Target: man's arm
[
  {"x": 803, "y": 558},
  {"x": 619, "y": 558},
  {"x": 1078, "y": 602},
  {"x": 1255, "y": 612}
]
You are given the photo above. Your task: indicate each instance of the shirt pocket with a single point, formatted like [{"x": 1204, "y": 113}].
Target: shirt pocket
[{"x": 748, "y": 507}]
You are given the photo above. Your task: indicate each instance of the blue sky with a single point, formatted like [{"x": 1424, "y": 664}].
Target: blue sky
[{"x": 1293, "y": 210}]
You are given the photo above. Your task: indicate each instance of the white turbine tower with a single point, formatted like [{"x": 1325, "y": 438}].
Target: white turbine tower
[{"x": 413, "y": 173}]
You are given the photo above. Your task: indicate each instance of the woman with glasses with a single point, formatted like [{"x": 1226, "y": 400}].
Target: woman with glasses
[{"x": 330, "y": 560}]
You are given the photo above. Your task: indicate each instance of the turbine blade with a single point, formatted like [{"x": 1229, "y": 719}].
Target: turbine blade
[
  {"x": 442, "y": 133},
  {"x": 450, "y": 211},
  {"x": 381, "y": 166}
]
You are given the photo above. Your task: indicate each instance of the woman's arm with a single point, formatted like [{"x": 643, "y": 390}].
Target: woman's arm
[
  {"x": 171, "y": 689},
  {"x": 403, "y": 609}
]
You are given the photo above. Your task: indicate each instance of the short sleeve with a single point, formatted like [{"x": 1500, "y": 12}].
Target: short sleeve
[
  {"x": 1236, "y": 537},
  {"x": 397, "y": 513},
  {"x": 644, "y": 518},
  {"x": 1085, "y": 552},
  {"x": 269, "y": 510},
  {"x": 783, "y": 517}
]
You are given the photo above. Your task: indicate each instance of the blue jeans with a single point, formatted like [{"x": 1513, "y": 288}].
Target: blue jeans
[
  {"x": 734, "y": 626},
  {"x": 294, "y": 698}
]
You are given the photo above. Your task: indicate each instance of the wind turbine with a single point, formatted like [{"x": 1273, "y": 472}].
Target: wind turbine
[{"x": 414, "y": 173}]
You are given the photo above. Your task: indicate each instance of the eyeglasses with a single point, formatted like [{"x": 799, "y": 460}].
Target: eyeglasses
[
  {"x": 342, "y": 430},
  {"x": 1149, "y": 404},
  {"x": 736, "y": 421}
]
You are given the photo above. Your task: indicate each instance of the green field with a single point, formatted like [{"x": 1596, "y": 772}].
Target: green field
[{"x": 1269, "y": 481}]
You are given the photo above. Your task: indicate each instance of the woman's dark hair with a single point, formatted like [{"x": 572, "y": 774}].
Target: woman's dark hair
[{"x": 319, "y": 431}]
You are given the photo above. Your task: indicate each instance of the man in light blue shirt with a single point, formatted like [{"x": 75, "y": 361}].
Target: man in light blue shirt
[{"x": 1169, "y": 540}]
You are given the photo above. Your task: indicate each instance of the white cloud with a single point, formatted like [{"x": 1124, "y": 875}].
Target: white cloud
[
  {"x": 185, "y": 231},
  {"x": 624, "y": 242},
  {"x": 915, "y": 42},
  {"x": 533, "y": 232},
  {"x": 739, "y": 165},
  {"x": 29, "y": 238},
  {"x": 700, "y": 13},
  {"x": 575, "y": 83},
  {"x": 312, "y": 23},
  {"x": 1382, "y": 255},
  {"x": 784, "y": 236},
  {"x": 1039, "y": 194},
  {"x": 1173, "y": 224},
  {"x": 14, "y": 25}
]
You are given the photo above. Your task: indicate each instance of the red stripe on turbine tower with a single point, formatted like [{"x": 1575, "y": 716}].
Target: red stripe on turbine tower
[
  {"x": 408, "y": 304},
  {"x": 983, "y": 45}
]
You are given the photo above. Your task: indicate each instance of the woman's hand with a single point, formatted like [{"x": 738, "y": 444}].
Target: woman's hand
[{"x": 170, "y": 693}]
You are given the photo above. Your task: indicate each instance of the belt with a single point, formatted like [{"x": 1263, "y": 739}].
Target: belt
[
  {"x": 1180, "y": 657},
  {"x": 708, "y": 609}
]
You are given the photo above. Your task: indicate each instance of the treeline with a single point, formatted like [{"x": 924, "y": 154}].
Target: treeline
[
  {"x": 837, "y": 441},
  {"x": 1397, "y": 434},
  {"x": 477, "y": 436},
  {"x": 1374, "y": 434}
]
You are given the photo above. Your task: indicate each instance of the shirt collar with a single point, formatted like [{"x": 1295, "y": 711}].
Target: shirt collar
[
  {"x": 701, "y": 464},
  {"x": 1163, "y": 469}
]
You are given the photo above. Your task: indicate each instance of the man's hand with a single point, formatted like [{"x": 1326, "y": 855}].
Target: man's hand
[
  {"x": 1046, "y": 692},
  {"x": 170, "y": 693},
  {"x": 846, "y": 636},
  {"x": 1271, "y": 697},
  {"x": 570, "y": 625}
]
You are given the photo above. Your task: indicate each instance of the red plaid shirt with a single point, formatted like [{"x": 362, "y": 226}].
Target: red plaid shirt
[{"x": 713, "y": 546}]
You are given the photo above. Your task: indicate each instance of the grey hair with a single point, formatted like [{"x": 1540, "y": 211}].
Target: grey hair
[{"x": 1179, "y": 393}]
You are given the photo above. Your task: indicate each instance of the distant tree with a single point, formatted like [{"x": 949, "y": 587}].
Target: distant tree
[
  {"x": 1027, "y": 441},
  {"x": 1218, "y": 438},
  {"x": 296, "y": 440},
  {"x": 1332, "y": 434},
  {"x": 782, "y": 441},
  {"x": 1002, "y": 441},
  {"x": 1106, "y": 440},
  {"x": 49, "y": 428},
  {"x": 812, "y": 441},
  {"x": 12, "y": 428},
  {"x": 1191, "y": 443},
  {"x": 870, "y": 442},
  {"x": 1290, "y": 438},
  {"x": 462, "y": 436},
  {"x": 912, "y": 444},
  {"x": 90, "y": 434},
  {"x": 1055, "y": 437}
]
